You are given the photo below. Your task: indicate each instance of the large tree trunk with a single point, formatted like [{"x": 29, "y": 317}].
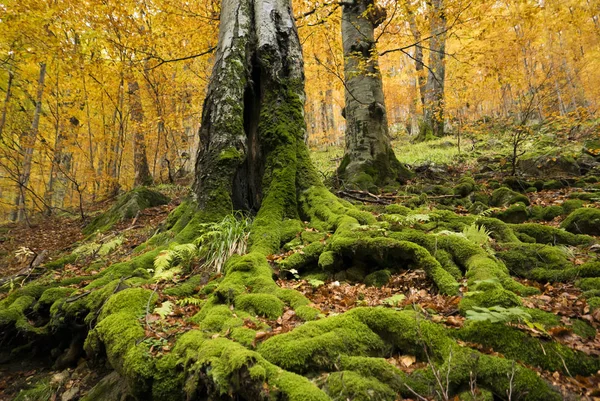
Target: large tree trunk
[
  {"x": 369, "y": 159},
  {"x": 140, "y": 161},
  {"x": 252, "y": 121}
]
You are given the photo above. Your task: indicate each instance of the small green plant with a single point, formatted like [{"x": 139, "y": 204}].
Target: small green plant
[
  {"x": 477, "y": 234},
  {"x": 165, "y": 309},
  {"x": 173, "y": 261},
  {"x": 219, "y": 241},
  {"x": 189, "y": 301},
  {"x": 394, "y": 300},
  {"x": 101, "y": 247},
  {"x": 315, "y": 283},
  {"x": 408, "y": 220},
  {"x": 42, "y": 391},
  {"x": 497, "y": 314}
]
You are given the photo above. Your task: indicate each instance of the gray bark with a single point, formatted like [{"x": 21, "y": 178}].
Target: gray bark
[
  {"x": 434, "y": 93},
  {"x": 368, "y": 159},
  {"x": 252, "y": 120},
  {"x": 140, "y": 160}
]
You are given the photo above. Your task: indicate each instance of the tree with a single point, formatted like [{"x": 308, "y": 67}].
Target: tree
[
  {"x": 140, "y": 161},
  {"x": 253, "y": 157},
  {"x": 436, "y": 77},
  {"x": 28, "y": 141},
  {"x": 252, "y": 150},
  {"x": 368, "y": 159}
]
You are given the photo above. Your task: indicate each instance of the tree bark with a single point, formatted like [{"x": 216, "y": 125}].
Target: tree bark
[
  {"x": 11, "y": 76},
  {"x": 28, "y": 143},
  {"x": 140, "y": 161},
  {"x": 253, "y": 130},
  {"x": 434, "y": 93},
  {"x": 368, "y": 158}
]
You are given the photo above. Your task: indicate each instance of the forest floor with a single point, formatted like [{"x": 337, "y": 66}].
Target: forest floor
[{"x": 57, "y": 236}]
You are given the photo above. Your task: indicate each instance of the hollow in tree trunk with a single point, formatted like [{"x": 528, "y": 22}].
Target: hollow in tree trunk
[
  {"x": 252, "y": 134},
  {"x": 368, "y": 159}
]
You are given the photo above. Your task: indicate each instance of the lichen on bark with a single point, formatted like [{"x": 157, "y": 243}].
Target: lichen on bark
[{"x": 369, "y": 160}]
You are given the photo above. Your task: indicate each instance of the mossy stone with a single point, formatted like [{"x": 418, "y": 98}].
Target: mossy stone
[
  {"x": 583, "y": 221},
  {"x": 378, "y": 278},
  {"x": 504, "y": 196}
]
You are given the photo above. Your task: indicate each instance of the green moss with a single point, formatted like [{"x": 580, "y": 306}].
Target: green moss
[
  {"x": 230, "y": 153},
  {"x": 569, "y": 206},
  {"x": 14, "y": 313},
  {"x": 499, "y": 230},
  {"x": 490, "y": 297},
  {"x": 504, "y": 196},
  {"x": 546, "y": 213},
  {"x": 186, "y": 288},
  {"x": 585, "y": 196},
  {"x": 352, "y": 385},
  {"x": 309, "y": 255},
  {"x": 516, "y": 213},
  {"x": 312, "y": 236},
  {"x": 327, "y": 261},
  {"x": 594, "y": 303},
  {"x": 583, "y": 221},
  {"x": 265, "y": 305},
  {"x": 588, "y": 284},
  {"x": 397, "y": 209},
  {"x": 378, "y": 278},
  {"x": 126, "y": 207},
  {"x": 52, "y": 295},
  {"x": 551, "y": 235},
  {"x": 553, "y": 184},
  {"x": 130, "y": 300},
  {"x": 243, "y": 335},
  {"x": 61, "y": 262},
  {"x": 517, "y": 345},
  {"x": 465, "y": 186},
  {"x": 525, "y": 259}
]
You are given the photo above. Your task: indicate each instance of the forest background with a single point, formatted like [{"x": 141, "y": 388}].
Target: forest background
[{"x": 87, "y": 86}]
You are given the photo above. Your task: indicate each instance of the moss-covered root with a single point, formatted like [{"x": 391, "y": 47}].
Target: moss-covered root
[
  {"x": 517, "y": 345},
  {"x": 224, "y": 367},
  {"x": 126, "y": 207},
  {"x": 378, "y": 332}
]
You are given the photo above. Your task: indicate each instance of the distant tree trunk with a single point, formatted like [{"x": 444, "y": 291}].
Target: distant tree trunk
[
  {"x": 7, "y": 97},
  {"x": 96, "y": 184},
  {"x": 27, "y": 145},
  {"x": 418, "y": 56},
  {"x": 434, "y": 93},
  {"x": 114, "y": 152},
  {"x": 252, "y": 138},
  {"x": 61, "y": 160},
  {"x": 368, "y": 158},
  {"x": 140, "y": 161},
  {"x": 61, "y": 166}
]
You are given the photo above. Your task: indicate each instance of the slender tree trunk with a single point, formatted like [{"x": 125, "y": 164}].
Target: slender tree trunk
[
  {"x": 418, "y": 56},
  {"x": 368, "y": 159},
  {"x": 434, "y": 93},
  {"x": 7, "y": 97},
  {"x": 96, "y": 185},
  {"x": 28, "y": 145},
  {"x": 140, "y": 161}
]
